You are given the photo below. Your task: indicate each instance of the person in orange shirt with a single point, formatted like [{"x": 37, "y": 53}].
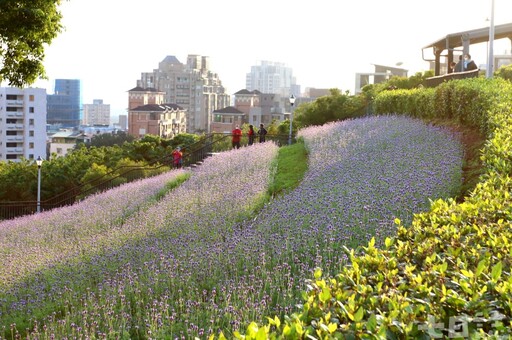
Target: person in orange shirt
[
  {"x": 177, "y": 158},
  {"x": 236, "y": 136}
]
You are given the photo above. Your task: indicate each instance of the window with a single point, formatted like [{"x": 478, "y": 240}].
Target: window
[
  {"x": 31, "y": 109},
  {"x": 31, "y": 97},
  {"x": 11, "y": 97},
  {"x": 59, "y": 151},
  {"x": 11, "y": 156},
  {"x": 11, "y": 109},
  {"x": 31, "y": 121},
  {"x": 31, "y": 133},
  {"x": 31, "y": 145},
  {"x": 11, "y": 145}
]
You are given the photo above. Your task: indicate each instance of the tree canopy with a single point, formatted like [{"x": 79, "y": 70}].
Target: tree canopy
[
  {"x": 336, "y": 106},
  {"x": 25, "y": 27}
]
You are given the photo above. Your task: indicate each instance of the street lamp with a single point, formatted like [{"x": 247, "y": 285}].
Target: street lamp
[
  {"x": 292, "y": 101},
  {"x": 39, "y": 162}
]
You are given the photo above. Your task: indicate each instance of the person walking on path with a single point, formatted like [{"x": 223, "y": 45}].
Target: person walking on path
[
  {"x": 262, "y": 132},
  {"x": 177, "y": 158},
  {"x": 236, "y": 136},
  {"x": 251, "y": 134}
]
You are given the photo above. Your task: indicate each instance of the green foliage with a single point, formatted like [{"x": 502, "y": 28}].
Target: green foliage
[
  {"x": 336, "y": 106},
  {"x": 122, "y": 163},
  {"x": 110, "y": 139},
  {"x": 95, "y": 175},
  {"x": 26, "y": 26},
  {"x": 447, "y": 274},
  {"x": 399, "y": 83},
  {"x": 415, "y": 102},
  {"x": 18, "y": 181},
  {"x": 504, "y": 72},
  {"x": 184, "y": 140}
]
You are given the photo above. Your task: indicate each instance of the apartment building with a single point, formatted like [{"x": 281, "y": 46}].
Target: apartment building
[
  {"x": 272, "y": 77},
  {"x": 22, "y": 123},
  {"x": 96, "y": 113},
  {"x": 260, "y": 107},
  {"x": 147, "y": 114},
  {"x": 65, "y": 141},
  {"x": 192, "y": 86},
  {"x": 225, "y": 120}
]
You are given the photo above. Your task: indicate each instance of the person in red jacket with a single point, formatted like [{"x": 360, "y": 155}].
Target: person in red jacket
[
  {"x": 251, "y": 134},
  {"x": 236, "y": 136},
  {"x": 177, "y": 158}
]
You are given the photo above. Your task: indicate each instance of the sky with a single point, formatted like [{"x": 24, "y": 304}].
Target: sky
[{"x": 107, "y": 44}]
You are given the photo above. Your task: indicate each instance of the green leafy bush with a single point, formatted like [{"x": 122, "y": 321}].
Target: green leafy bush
[
  {"x": 448, "y": 274},
  {"x": 504, "y": 72}
]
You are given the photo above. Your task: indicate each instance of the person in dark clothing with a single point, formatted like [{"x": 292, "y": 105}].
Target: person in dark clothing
[
  {"x": 251, "y": 134},
  {"x": 459, "y": 67},
  {"x": 469, "y": 64},
  {"x": 262, "y": 132}
]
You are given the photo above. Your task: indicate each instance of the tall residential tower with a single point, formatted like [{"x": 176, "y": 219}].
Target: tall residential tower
[
  {"x": 272, "y": 77},
  {"x": 192, "y": 86}
]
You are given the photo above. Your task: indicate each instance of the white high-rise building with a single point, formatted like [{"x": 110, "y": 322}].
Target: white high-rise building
[
  {"x": 22, "y": 123},
  {"x": 96, "y": 113},
  {"x": 272, "y": 77}
]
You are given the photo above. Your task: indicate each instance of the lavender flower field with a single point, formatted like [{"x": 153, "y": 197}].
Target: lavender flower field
[{"x": 200, "y": 260}]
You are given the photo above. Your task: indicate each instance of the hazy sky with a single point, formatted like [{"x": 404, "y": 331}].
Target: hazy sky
[{"x": 108, "y": 44}]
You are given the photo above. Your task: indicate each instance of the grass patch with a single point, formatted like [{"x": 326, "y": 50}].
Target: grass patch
[
  {"x": 292, "y": 164},
  {"x": 172, "y": 185}
]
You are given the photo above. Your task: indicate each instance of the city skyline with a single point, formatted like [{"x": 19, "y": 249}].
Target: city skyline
[{"x": 108, "y": 47}]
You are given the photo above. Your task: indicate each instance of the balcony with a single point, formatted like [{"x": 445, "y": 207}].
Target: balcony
[
  {"x": 15, "y": 127},
  {"x": 18, "y": 103},
  {"x": 13, "y": 151}
]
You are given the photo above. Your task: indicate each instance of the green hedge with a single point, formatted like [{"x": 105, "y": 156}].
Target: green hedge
[{"x": 446, "y": 275}]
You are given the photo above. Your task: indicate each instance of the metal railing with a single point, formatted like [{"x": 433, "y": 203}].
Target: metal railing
[
  {"x": 434, "y": 81},
  {"x": 192, "y": 154}
]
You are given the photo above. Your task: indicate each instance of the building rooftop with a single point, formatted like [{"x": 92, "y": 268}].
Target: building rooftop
[
  {"x": 170, "y": 59},
  {"x": 157, "y": 107},
  {"x": 476, "y": 36},
  {"x": 245, "y": 91},
  {"x": 141, "y": 89},
  {"x": 228, "y": 109}
]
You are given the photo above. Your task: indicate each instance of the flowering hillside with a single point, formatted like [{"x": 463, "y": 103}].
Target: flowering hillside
[{"x": 200, "y": 260}]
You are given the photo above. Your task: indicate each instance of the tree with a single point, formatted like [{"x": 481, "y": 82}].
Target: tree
[
  {"x": 110, "y": 139},
  {"x": 25, "y": 27},
  {"x": 336, "y": 106}
]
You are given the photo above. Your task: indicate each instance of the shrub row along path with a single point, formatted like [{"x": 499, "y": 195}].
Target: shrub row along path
[{"x": 199, "y": 261}]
